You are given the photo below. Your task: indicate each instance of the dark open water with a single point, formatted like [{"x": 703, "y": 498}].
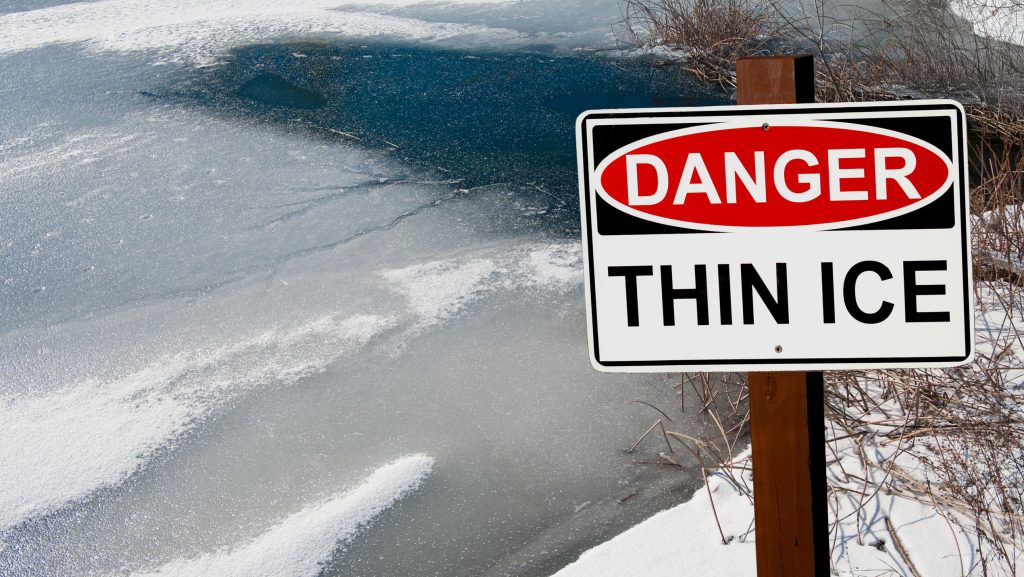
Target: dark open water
[{"x": 481, "y": 118}]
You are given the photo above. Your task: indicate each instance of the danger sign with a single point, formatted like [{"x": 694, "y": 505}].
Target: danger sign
[{"x": 776, "y": 237}]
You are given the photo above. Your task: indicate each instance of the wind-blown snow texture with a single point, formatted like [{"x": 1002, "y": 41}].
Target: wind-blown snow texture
[
  {"x": 300, "y": 544},
  {"x": 63, "y": 445}
]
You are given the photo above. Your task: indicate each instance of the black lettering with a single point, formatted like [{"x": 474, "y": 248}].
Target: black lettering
[
  {"x": 912, "y": 290},
  {"x": 828, "y": 293},
  {"x": 725, "y": 294},
  {"x": 631, "y": 273},
  {"x": 850, "y": 292},
  {"x": 670, "y": 294},
  {"x": 750, "y": 281}
]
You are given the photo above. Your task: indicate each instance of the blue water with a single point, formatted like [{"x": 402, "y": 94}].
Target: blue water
[{"x": 502, "y": 117}]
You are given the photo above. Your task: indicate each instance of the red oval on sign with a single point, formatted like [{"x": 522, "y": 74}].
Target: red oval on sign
[{"x": 793, "y": 174}]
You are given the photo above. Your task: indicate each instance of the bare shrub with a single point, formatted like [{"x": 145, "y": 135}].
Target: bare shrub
[
  {"x": 721, "y": 401},
  {"x": 961, "y": 426},
  {"x": 713, "y": 34},
  {"x": 913, "y": 48}
]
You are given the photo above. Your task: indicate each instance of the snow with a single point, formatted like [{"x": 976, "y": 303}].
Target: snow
[
  {"x": 994, "y": 237},
  {"x": 555, "y": 265},
  {"x": 66, "y": 444},
  {"x": 680, "y": 541},
  {"x": 438, "y": 290},
  {"x": 997, "y": 19},
  {"x": 902, "y": 531},
  {"x": 197, "y": 30},
  {"x": 299, "y": 545},
  {"x": 685, "y": 540}
]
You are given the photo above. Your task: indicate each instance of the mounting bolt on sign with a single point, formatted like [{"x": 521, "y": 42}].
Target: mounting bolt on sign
[{"x": 778, "y": 235}]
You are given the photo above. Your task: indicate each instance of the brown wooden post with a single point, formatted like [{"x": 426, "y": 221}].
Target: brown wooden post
[{"x": 787, "y": 429}]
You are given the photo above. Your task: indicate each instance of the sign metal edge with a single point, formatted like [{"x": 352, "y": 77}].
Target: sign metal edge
[{"x": 877, "y": 110}]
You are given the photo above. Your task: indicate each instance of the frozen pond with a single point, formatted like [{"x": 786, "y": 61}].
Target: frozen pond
[{"x": 310, "y": 307}]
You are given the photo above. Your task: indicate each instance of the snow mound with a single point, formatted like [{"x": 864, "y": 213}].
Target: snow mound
[
  {"x": 299, "y": 545},
  {"x": 437, "y": 291}
]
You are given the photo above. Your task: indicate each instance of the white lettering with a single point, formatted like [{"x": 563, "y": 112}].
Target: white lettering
[
  {"x": 633, "y": 186},
  {"x": 704, "y": 185},
  {"x": 749, "y": 173},
  {"x": 812, "y": 180},
  {"x": 883, "y": 174},
  {"x": 756, "y": 185},
  {"x": 836, "y": 174}
]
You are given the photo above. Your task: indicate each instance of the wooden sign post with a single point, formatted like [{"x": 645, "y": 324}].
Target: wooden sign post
[{"x": 787, "y": 424}]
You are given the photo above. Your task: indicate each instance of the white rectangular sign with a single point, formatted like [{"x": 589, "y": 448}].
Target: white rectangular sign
[{"x": 796, "y": 237}]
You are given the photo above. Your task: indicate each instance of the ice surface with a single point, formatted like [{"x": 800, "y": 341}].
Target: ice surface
[
  {"x": 198, "y": 30},
  {"x": 217, "y": 312},
  {"x": 300, "y": 544},
  {"x": 66, "y": 444},
  {"x": 437, "y": 290}
]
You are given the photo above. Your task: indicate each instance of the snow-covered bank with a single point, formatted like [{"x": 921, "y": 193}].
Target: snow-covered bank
[
  {"x": 299, "y": 545},
  {"x": 889, "y": 515},
  {"x": 683, "y": 540},
  {"x": 883, "y": 535}
]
